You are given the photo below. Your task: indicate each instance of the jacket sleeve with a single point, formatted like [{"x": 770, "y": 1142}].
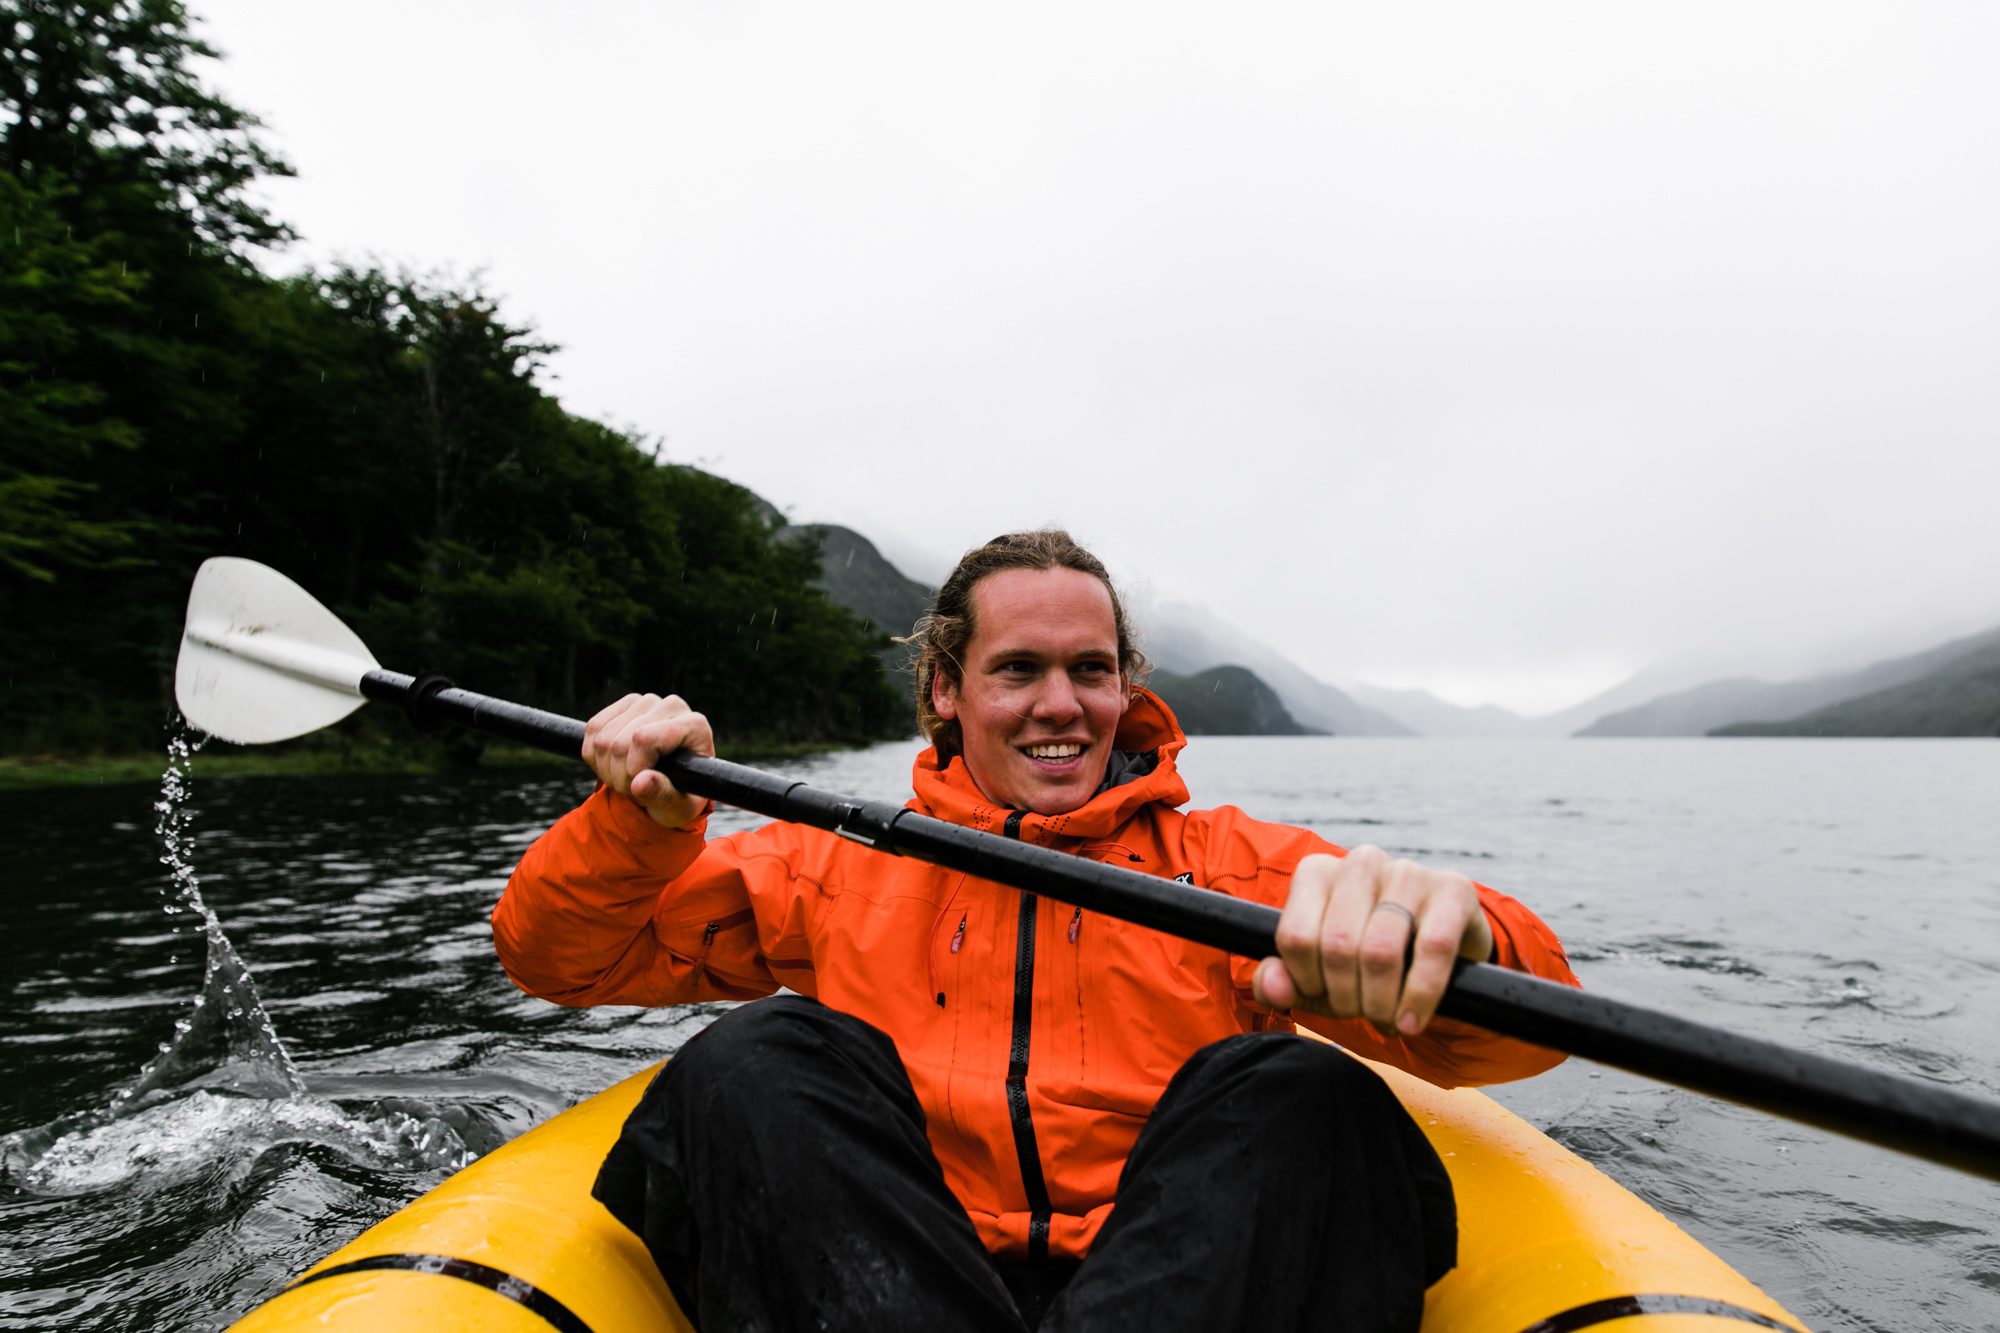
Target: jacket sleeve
[
  {"x": 1250, "y": 859},
  {"x": 608, "y": 907}
]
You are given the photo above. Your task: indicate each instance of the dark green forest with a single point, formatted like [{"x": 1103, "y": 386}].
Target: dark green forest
[{"x": 378, "y": 436}]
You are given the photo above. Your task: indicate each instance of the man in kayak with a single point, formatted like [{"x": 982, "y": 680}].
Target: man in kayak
[{"x": 982, "y": 1110}]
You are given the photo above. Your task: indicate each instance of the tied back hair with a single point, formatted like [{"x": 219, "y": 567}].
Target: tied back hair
[{"x": 941, "y": 636}]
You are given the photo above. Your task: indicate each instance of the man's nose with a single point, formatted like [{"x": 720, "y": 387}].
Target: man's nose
[{"x": 1056, "y": 701}]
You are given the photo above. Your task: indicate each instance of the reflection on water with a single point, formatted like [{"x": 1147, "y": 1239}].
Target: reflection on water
[{"x": 1842, "y": 896}]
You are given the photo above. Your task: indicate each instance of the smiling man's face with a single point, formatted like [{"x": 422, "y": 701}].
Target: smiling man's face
[{"x": 1042, "y": 692}]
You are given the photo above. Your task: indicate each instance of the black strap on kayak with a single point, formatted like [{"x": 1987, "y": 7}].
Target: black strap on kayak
[
  {"x": 524, "y": 1294},
  {"x": 1624, "y": 1307},
  {"x": 561, "y": 1317}
]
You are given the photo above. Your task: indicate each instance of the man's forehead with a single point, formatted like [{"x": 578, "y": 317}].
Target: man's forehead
[{"x": 1044, "y": 610}]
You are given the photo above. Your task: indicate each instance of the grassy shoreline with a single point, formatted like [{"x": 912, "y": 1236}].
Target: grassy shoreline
[{"x": 28, "y": 772}]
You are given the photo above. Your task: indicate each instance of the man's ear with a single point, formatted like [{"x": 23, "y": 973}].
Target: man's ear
[
  {"x": 1125, "y": 697},
  {"x": 944, "y": 696}
]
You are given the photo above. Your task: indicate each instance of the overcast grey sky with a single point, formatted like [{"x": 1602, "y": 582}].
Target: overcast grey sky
[{"x": 1496, "y": 349}]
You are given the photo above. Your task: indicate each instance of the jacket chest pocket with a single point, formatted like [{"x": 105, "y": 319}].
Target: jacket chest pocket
[
  {"x": 1145, "y": 1002},
  {"x": 958, "y": 936},
  {"x": 1115, "y": 978}
]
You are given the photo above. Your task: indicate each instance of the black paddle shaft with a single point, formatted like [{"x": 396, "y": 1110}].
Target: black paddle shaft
[{"x": 1894, "y": 1111}]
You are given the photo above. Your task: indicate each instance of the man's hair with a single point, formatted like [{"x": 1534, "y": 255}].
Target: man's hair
[{"x": 941, "y": 636}]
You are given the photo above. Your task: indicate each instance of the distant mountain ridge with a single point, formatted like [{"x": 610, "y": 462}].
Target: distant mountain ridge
[
  {"x": 1950, "y": 690},
  {"x": 1959, "y": 697},
  {"x": 1226, "y": 701},
  {"x": 1220, "y": 700},
  {"x": 1427, "y": 715},
  {"x": 1743, "y": 701},
  {"x": 1187, "y": 640},
  {"x": 858, "y": 576}
]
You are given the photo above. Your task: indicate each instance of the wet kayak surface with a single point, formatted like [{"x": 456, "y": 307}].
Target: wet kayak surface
[{"x": 1843, "y": 896}]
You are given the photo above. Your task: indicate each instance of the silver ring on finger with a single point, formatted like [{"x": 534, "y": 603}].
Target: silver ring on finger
[{"x": 1400, "y": 910}]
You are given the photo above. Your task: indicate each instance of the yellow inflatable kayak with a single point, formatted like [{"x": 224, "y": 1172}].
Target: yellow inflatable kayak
[{"x": 515, "y": 1244}]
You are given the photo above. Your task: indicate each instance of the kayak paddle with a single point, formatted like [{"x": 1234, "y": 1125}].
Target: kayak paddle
[{"x": 261, "y": 661}]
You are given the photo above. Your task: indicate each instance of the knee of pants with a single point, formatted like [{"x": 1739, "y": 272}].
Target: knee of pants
[
  {"x": 1295, "y": 1074},
  {"x": 1309, "y": 1086},
  {"x": 766, "y": 1051},
  {"x": 1328, "y": 1070},
  {"x": 751, "y": 1038},
  {"x": 733, "y": 1066}
]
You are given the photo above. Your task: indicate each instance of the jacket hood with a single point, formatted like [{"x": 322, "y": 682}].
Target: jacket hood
[{"x": 1148, "y": 727}]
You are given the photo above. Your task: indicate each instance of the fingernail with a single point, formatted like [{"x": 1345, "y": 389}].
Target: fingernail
[{"x": 1407, "y": 1025}]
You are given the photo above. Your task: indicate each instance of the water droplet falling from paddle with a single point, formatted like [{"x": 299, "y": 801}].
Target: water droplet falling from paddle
[{"x": 227, "y": 1042}]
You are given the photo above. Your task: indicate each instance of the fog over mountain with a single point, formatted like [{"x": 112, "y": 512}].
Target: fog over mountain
[
  {"x": 1225, "y": 701},
  {"x": 1235, "y": 683},
  {"x": 1537, "y": 343},
  {"x": 1724, "y": 703},
  {"x": 1960, "y": 697},
  {"x": 1186, "y": 639},
  {"x": 1948, "y": 689},
  {"x": 855, "y": 574},
  {"x": 1427, "y": 715}
]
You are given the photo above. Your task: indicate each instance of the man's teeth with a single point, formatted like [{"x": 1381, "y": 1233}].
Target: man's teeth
[{"x": 1068, "y": 750}]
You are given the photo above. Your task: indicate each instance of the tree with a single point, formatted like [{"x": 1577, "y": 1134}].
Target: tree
[
  {"x": 98, "y": 93},
  {"x": 122, "y": 276},
  {"x": 554, "y": 559},
  {"x": 379, "y": 437},
  {"x": 50, "y": 425}
]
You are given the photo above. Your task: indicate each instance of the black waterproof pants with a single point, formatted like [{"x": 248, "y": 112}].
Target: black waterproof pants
[{"x": 779, "y": 1173}]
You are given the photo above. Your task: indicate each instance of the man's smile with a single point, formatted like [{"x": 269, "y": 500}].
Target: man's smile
[
  {"x": 1043, "y": 693},
  {"x": 1053, "y": 752}
]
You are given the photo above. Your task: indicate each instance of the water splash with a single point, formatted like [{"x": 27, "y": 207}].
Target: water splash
[
  {"x": 224, "y": 1090},
  {"x": 226, "y": 1043},
  {"x": 221, "y": 1138}
]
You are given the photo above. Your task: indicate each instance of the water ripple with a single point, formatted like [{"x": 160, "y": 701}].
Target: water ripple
[{"x": 1768, "y": 889}]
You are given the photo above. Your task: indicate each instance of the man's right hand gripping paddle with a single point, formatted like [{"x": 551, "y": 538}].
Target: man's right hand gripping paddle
[
  {"x": 1347, "y": 930},
  {"x": 623, "y": 742}
]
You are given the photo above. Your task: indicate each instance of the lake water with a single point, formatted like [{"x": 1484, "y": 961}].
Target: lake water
[{"x": 1843, "y": 896}]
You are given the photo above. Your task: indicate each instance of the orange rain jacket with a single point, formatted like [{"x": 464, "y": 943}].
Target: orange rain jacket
[{"x": 1038, "y": 1036}]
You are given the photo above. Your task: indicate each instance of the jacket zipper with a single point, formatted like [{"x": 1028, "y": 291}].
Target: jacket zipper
[
  {"x": 930, "y": 950},
  {"x": 1025, "y": 1148},
  {"x": 733, "y": 919},
  {"x": 957, "y": 938}
]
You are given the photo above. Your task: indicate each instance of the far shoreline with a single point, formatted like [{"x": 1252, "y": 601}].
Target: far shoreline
[{"x": 41, "y": 772}]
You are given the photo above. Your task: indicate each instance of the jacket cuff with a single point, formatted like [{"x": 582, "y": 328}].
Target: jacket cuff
[
  {"x": 1505, "y": 953},
  {"x": 626, "y": 819}
]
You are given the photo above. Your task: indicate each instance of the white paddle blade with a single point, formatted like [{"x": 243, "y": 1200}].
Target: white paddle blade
[{"x": 261, "y": 660}]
